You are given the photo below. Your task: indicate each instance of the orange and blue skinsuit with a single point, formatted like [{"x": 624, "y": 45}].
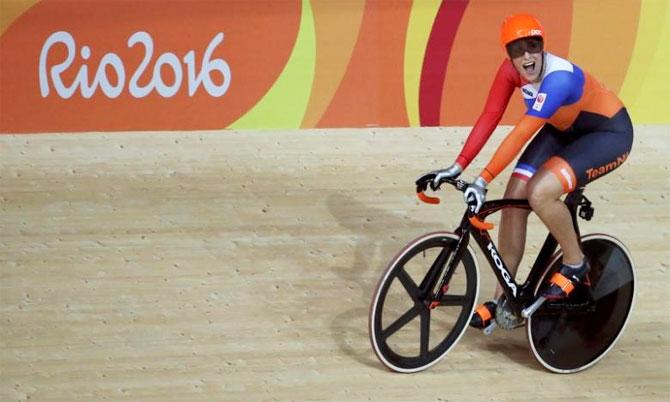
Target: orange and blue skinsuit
[{"x": 585, "y": 130}]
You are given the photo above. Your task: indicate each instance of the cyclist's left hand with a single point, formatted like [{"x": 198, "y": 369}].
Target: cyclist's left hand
[{"x": 476, "y": 193}]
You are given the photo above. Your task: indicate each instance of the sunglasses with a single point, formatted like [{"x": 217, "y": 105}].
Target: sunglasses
[{"x": 520, "y": 46}]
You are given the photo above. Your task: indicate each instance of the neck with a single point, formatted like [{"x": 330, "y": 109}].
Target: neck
[{"x": 544, "y": 64}]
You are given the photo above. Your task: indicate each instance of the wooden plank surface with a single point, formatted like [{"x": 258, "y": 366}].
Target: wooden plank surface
[{"x": 240, "y": 265}]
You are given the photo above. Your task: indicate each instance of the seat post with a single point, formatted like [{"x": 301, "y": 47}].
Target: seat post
[{"x": 573, "y": 200}]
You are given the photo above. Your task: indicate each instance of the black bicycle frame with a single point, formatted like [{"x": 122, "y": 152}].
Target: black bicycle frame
[{"x": 518, "y": 295}]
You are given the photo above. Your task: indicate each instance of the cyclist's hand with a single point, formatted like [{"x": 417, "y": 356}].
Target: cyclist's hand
[
  {"x": 423, "y": 181},
  {"x": 476, "y": 193},
  {"x": 437, "y": 177}
]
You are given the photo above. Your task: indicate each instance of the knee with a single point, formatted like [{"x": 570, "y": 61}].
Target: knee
[{"x": 539, "y": 193}]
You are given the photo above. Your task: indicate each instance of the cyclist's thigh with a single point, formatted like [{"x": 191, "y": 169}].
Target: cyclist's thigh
[
  {"x": 593, "y": 155},
  {"x": 548, "y": 142}
]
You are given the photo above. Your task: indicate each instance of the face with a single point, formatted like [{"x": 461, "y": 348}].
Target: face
[{"x": 526, "y": 55}]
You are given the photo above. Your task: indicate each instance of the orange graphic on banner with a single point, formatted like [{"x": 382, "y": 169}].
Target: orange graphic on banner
[
  {"x": 110, "y": 65},
  {"x": 10, "y": 10},
  {"x": 371, "y": 92},
  {"x": 337, "y": 28},
  {"x": 70, "y": 66}
]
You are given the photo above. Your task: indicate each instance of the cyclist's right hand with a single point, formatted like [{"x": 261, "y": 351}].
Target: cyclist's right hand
[{"x": 437, "y": 177}]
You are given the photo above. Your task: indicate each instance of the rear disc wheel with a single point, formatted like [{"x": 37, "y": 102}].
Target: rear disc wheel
[{"x": 568, "y": 341}]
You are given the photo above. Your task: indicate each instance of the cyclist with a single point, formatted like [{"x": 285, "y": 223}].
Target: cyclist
[{"x": 584, "y": 133}]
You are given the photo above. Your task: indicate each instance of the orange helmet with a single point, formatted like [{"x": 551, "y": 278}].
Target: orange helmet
[{"x": 520, "y": 26}]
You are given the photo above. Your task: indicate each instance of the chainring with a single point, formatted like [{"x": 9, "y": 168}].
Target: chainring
[{"x": 505, "y": 318}]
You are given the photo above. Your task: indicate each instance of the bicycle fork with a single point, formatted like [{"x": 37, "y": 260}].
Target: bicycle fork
[{"x": 444, "y": 260}]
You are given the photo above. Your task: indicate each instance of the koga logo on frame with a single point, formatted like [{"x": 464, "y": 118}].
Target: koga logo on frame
[
  {"x": 194, "y": 78},
  {"x": 503, "y": 272}
]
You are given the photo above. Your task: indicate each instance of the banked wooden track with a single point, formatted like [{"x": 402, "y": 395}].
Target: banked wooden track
[{"x": 239, "y": 266}]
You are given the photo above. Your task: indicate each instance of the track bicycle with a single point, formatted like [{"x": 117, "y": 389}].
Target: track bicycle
[{"x": 423, "y": 302}]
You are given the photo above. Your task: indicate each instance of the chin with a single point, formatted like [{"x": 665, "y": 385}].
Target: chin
[{"x": 529, "y": 78}]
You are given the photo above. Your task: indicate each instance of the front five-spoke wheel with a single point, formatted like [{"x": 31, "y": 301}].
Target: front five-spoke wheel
[{"x": 409, "y": 331}]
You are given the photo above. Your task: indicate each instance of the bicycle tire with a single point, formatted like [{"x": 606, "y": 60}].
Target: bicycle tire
[
  {"x": 571, "y": 342},
  {"x": 392, "y": 302}
]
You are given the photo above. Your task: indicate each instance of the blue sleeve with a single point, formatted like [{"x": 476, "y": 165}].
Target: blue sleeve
[{"x": 558, "y": 89}]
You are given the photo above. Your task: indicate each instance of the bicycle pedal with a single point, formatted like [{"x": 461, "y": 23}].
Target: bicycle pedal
[{"x": 489, "y": 329}]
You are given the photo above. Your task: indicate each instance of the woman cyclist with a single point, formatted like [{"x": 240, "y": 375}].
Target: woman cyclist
[{"x": 584, "y": 133}]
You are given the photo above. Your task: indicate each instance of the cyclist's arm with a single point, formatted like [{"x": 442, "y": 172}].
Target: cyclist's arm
[
  {"x": 507, "y": 78},
  {"x": 554, "y": 92},
  {"x": 511, "y": 146}
]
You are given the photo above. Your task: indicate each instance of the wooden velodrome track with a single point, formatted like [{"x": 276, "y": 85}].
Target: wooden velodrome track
[{"x": 239, "y": 266}]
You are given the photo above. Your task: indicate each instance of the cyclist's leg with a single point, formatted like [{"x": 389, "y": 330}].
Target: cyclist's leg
[
  {"x": 585, "y": 159},
  {"x": 544, "y": 195},
  {"x": 513, "y": 221},
  {"x": 511, "y": 243},
  {"x": 512, "y": 230}
]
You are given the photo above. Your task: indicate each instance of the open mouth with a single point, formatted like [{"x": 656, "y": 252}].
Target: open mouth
[{"x": 529, "y": 67}]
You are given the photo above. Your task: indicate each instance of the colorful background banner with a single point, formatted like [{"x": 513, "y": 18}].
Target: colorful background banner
[{"x": 116, "y": 65}]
